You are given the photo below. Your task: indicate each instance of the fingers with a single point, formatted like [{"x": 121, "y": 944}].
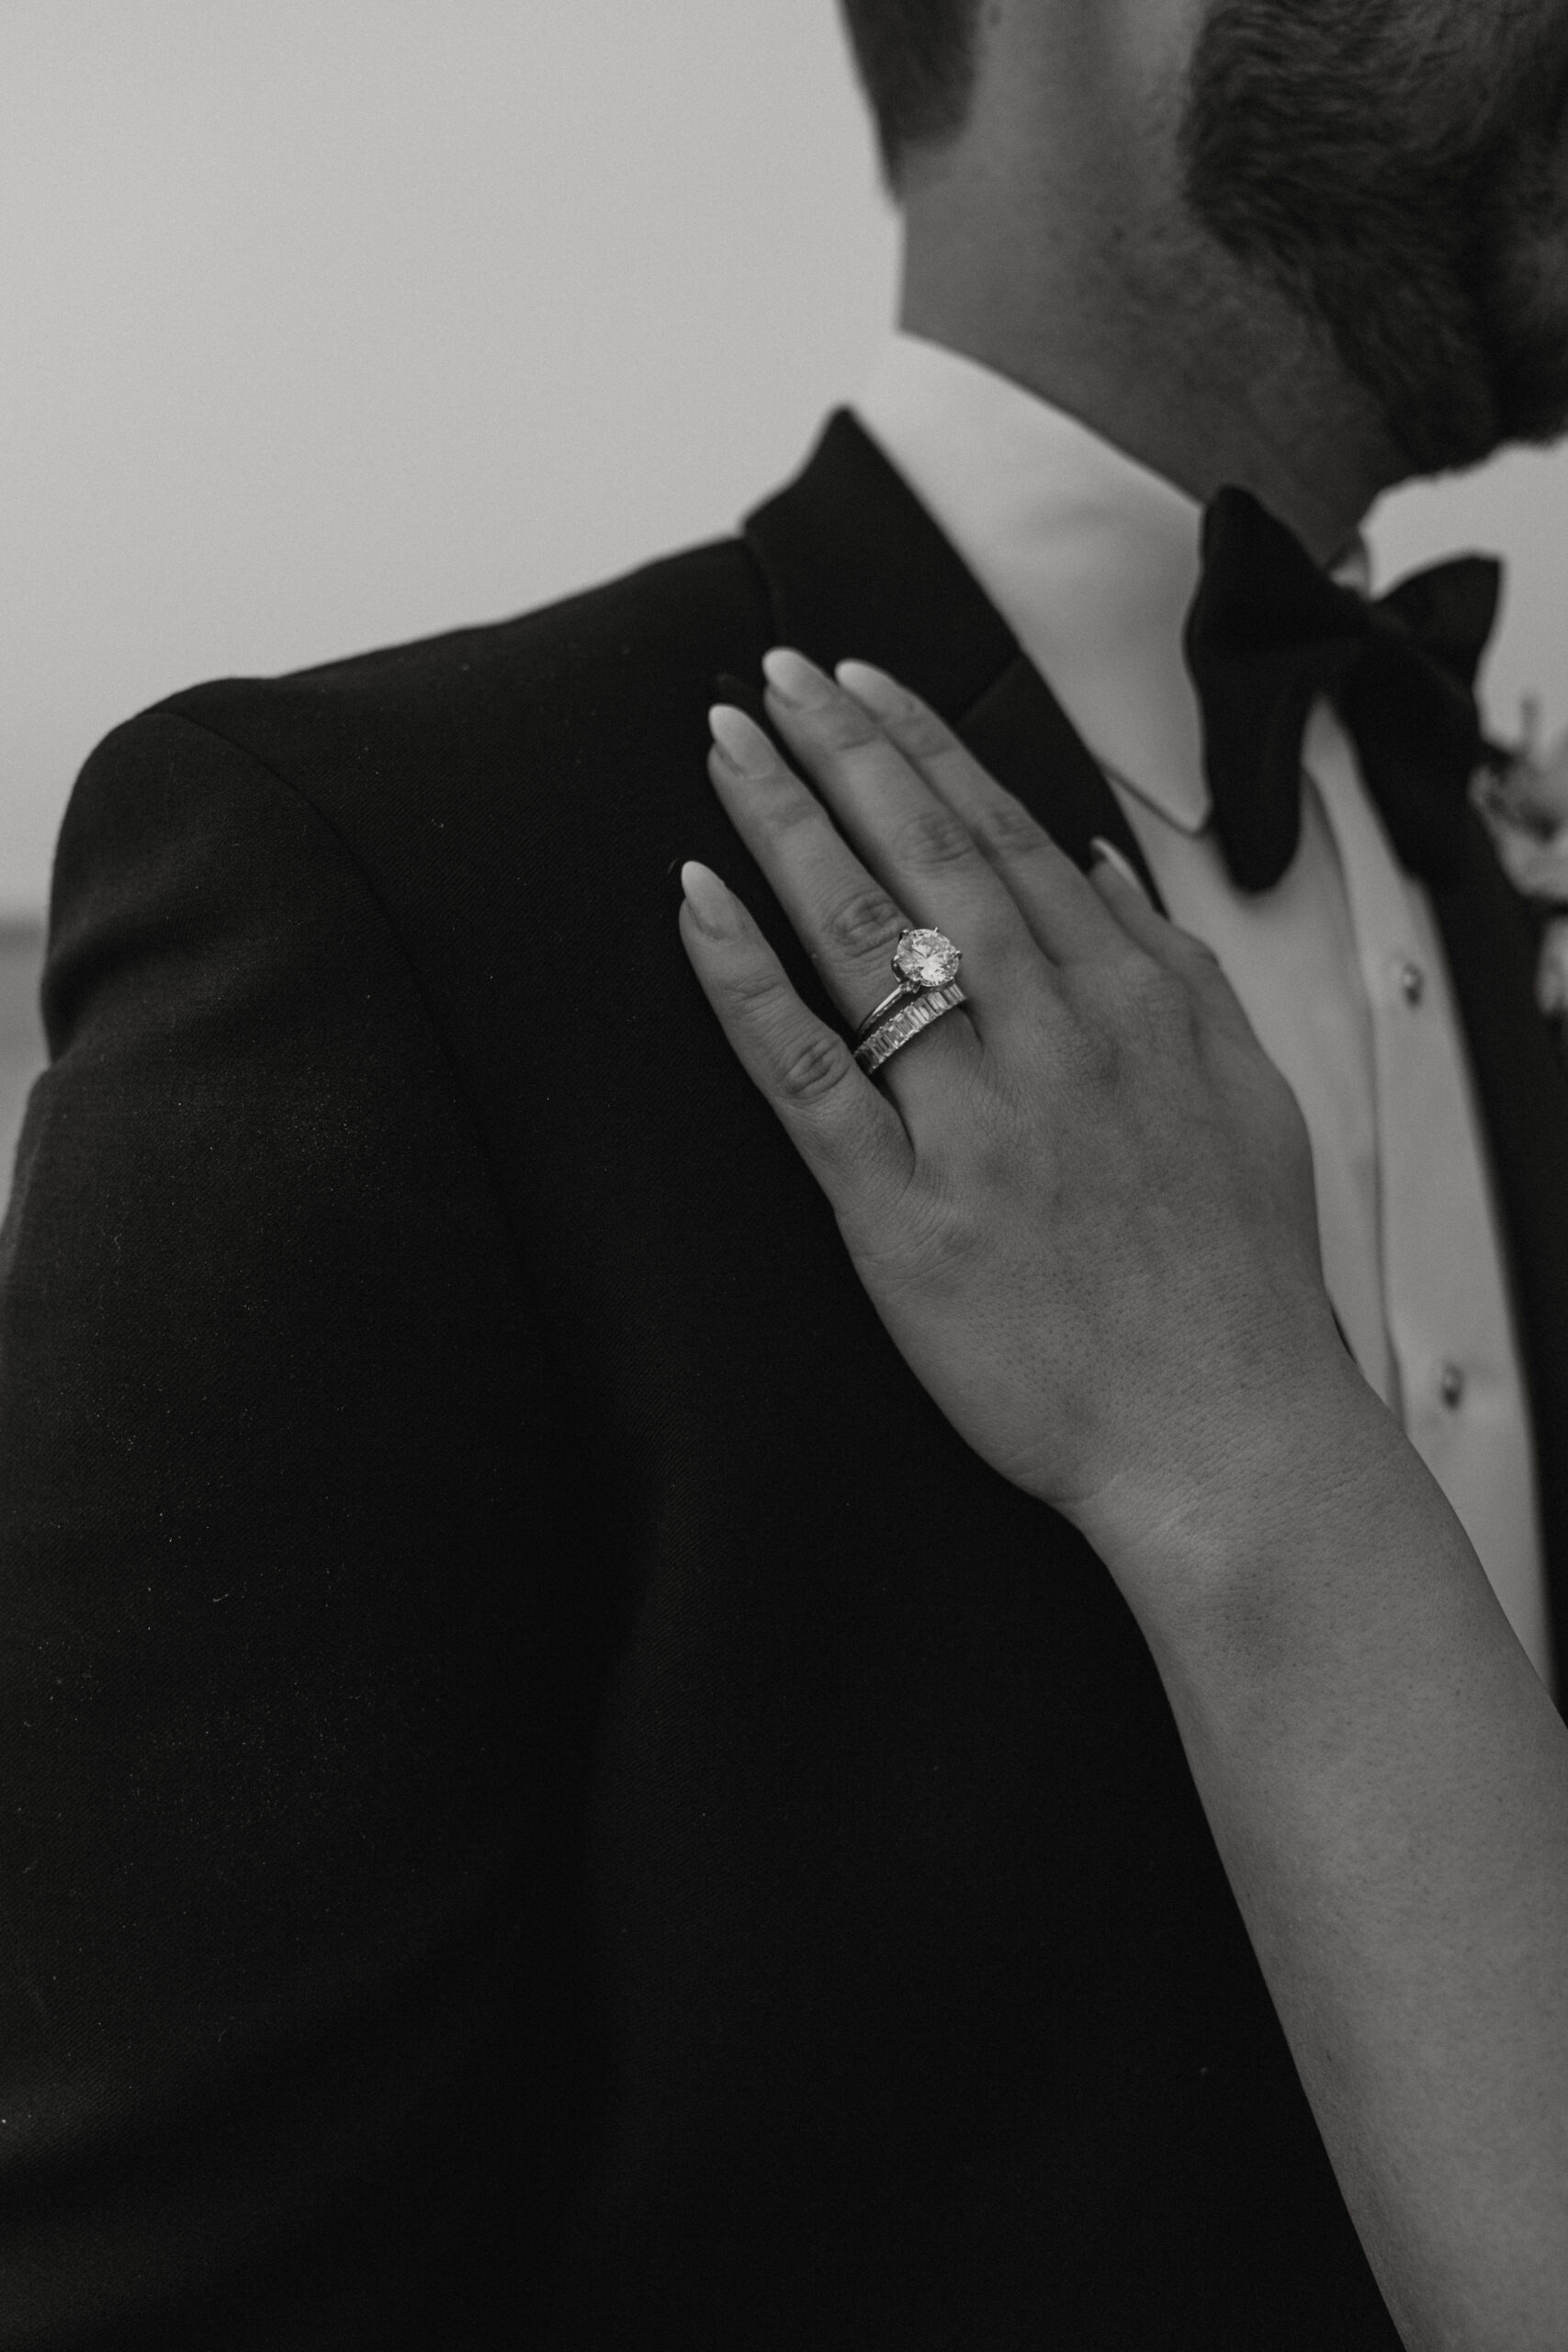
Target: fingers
[
  {"x": 1194, "y": 964},
  {"x": 843, "y": 913},
  {"x": 1063, "y": 914},
  {"x": 881, "y": 804},
  {"x": 848, "y": 1135},
  {"x": 943, "y": 843}
]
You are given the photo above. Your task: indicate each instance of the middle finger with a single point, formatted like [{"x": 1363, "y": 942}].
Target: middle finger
[
  {"x": 917, "y": 845},
  {"x": 911, "y": 837},
  {"x": 922, "y": 867},
  {"x": 839, "y": 910}
]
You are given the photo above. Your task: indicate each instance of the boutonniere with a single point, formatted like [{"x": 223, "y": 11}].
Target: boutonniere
[{"x": 1523, "y": 797}]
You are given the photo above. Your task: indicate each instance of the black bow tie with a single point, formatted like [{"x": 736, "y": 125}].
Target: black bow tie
[{"x": 1268, "y": 632}]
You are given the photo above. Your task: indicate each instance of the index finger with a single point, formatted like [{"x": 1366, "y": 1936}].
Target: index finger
[{"x": 845, "y": 1129}]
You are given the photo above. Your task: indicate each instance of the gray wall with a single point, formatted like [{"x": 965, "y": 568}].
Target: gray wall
[
  {"x": 329, "y": 322},
  {"x": 21, "y": 1041},
  {"x": 324, "y": 322}
]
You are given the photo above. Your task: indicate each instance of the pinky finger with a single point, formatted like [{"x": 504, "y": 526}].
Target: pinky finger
[
  {"x": 1177, "y": 950},
  {"x": 846, "y": 1131}
]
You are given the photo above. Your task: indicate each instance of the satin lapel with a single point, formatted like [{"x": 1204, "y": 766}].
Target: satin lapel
[
  {"x": 1492, "y": 945},
  {"x": 857, "y": 568}
]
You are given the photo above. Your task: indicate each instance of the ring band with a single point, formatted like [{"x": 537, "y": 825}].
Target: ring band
[
  {"x": 880, "y": 1011},
  {"x": 904, "y": 1023}
]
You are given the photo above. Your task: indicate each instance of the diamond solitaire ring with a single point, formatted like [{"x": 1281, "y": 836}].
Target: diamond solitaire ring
[{"x": 923, "y": 960}]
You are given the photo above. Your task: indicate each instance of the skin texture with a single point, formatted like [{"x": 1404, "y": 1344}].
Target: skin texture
[
  {"x": 1308, "y": 246},
  {"x": 1060, "y": 1365},
  {"x": 1082, "y": 1205}
]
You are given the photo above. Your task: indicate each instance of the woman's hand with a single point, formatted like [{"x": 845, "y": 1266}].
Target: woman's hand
[
  {"x": 1083, "y": 1204},
  {"x": 1083, "y": 1210}
]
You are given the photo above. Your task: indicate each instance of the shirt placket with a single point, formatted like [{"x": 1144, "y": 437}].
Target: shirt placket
[{"x": 1445, "y": 1293}]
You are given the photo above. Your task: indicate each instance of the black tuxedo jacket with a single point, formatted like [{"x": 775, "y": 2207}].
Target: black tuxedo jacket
[{"x": 546, "y": 1799}]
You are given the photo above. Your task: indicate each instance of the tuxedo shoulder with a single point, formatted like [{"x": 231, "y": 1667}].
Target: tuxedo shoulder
[{"x": 626, "y": 667}]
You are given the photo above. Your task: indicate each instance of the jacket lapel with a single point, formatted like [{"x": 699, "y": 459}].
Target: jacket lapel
[{"x": 856, "y": 568}]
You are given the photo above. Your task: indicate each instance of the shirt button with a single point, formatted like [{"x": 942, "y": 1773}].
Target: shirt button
[
  {"x": 1451, "y": 1387},
  {"x": 1412, "y": 983}
]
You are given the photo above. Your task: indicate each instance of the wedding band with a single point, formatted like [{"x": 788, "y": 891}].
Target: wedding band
[
  {"x": 904, "y": 1023},
  {"x": 922, "y": 960}
]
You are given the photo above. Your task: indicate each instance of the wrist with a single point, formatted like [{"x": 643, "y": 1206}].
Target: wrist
[{"x": 1298, "y": 1470}]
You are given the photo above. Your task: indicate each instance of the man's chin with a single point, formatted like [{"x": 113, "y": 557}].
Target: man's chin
[
  {"x": 1520, "y": 287},
  {"x": 1528, "y": 339},
  {"x": 1456, "y": 381}
]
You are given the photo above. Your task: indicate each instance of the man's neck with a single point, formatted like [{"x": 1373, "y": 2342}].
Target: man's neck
[{"x": 1225, "y": 383}]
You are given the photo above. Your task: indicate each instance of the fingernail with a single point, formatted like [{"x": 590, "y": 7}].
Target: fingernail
[
  {"x": 742, "y": 741},
  {"x": 1100, "y": 847},
  {"x": 795, "y": 680},
  {"x": 876, "y": 689},
  {"x": 713, "y": 909}
]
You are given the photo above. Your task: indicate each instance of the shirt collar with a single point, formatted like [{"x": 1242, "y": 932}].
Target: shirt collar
[{"x": 1092, "y": 559}]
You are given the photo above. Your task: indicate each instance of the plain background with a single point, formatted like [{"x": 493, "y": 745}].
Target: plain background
[{"x": 329, "y": 322}]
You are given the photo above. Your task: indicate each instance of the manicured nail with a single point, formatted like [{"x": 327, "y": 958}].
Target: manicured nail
[
  {"x": 883, "y": 695},
  {"x": 795, "y": 680},
  {"x": 742, "y": 741},
  {"x": 713, "y": 909},
  {"x": 1100, "y": 847}
]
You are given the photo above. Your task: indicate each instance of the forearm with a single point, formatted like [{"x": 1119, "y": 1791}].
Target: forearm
[{"x": 1387, "y": 1783}]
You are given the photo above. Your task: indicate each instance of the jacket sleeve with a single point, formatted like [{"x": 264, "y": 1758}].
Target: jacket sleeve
[{"x": 286, "y": 1704}]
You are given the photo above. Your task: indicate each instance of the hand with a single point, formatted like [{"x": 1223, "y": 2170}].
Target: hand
[{"x": 1083, "y": 1204}]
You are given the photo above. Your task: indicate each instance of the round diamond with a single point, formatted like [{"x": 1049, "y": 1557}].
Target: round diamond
[{"x": 926, "y": 959}]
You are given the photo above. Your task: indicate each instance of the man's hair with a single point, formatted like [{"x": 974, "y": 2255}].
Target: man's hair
[{"x": 916, "y": 62}]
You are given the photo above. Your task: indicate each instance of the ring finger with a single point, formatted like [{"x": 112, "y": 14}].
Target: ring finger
[
  {"x": 847, "y": 921},
  {"x": 928, "y": 871},
  {"x": 845, "y": 917},
  {"x": 910, "y": 835}
]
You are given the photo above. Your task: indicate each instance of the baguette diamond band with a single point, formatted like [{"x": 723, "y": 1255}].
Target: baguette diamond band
[{"x": 910, "y": 1016}]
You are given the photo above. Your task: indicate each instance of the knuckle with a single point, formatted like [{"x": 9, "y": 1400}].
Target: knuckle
[
  {"x": 934, "y": 838},
  {"x": 947, "y": 1235},
  {"x": 921, "y": 732},
  {"x": 787, "y": 807},
  {"x": 812, "y": 1069},
  {"x": 863, "y": 926},
  {"x": 934, "y": 1235},
  {"x": 755, "y": 993},
  {"x": 845, "y": 725},
  {"x": 1007, "y": 831},
  {"x": 1095, "y": 1055},
  {"x": 1121, "y": 1016},
  {"x": 1154, "y": 992}
]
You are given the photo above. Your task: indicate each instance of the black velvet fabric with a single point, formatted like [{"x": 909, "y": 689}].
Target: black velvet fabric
[{"x": 548, "y": 1799}]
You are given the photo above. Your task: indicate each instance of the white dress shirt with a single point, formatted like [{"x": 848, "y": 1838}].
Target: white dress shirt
[{"x": 1092, "y": 560}]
